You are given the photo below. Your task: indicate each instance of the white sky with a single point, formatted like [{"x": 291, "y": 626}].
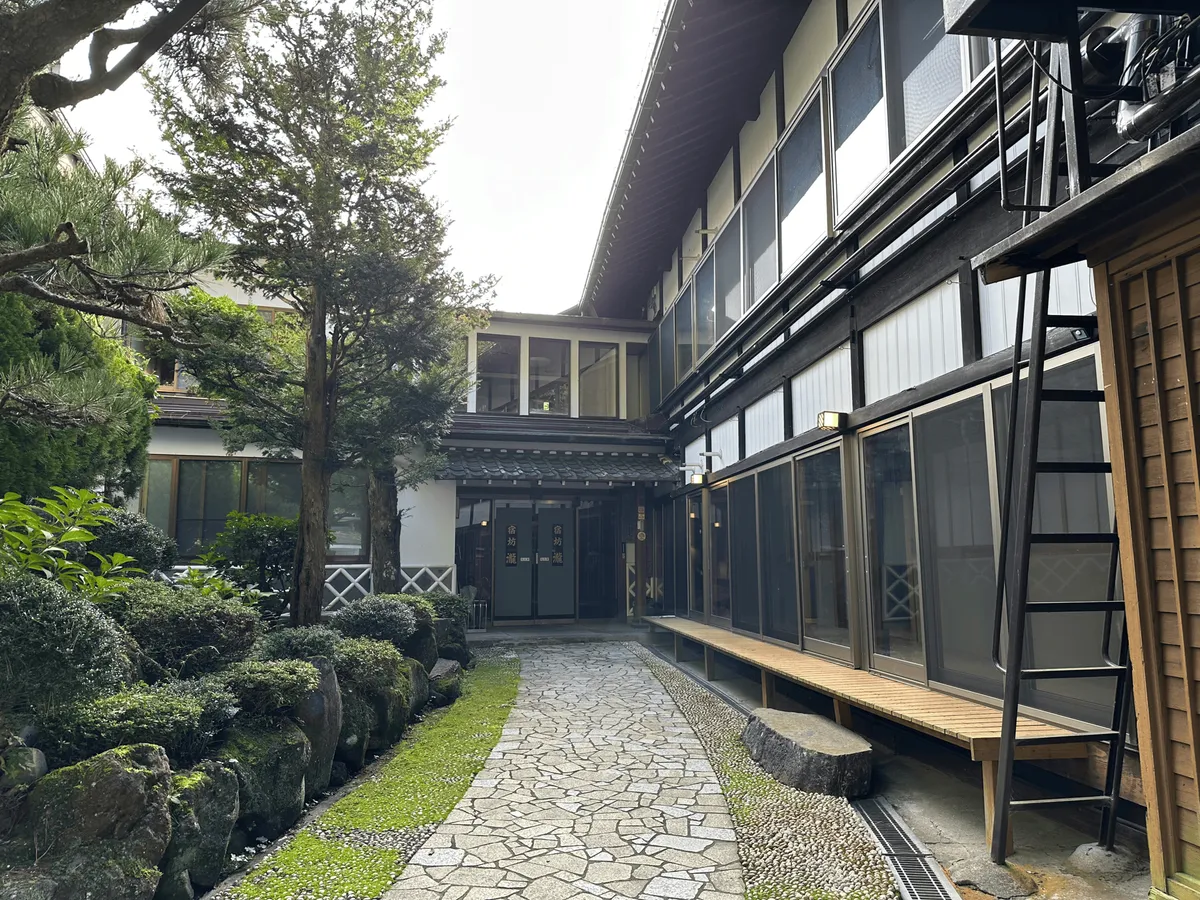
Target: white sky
[{"x": 541, "y": 93}]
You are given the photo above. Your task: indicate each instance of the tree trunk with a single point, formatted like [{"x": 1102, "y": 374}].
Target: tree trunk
[
  {"x": 315, "y": 474},
  {"x": 383, "y": 504}
]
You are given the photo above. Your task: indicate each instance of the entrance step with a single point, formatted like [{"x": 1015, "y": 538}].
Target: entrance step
[{"x": 809, "y": 752}]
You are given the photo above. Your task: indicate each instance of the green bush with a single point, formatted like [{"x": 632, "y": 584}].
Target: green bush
[
  {"x": 186, "y": 631},
  {"x": 55, "y": 647},
  {"x": 450, "y": 606},
  {"x": 264, "y": 688},
  {"x": 182, "y": 717},
  {"x": 256, "y": 550},
  {"x": 131, "y": 534},
  {"x": 384, "y": 617},
  {"x": 367, "y": 668},
  {"x": 420, "y": 604},
  {"x": 298, "y": 643}
]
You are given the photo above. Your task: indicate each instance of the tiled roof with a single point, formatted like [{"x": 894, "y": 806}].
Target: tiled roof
[{"x": 477, "y": 464}]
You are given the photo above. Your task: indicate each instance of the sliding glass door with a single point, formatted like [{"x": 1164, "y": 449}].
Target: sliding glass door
[{"x": 823, "y": 557}]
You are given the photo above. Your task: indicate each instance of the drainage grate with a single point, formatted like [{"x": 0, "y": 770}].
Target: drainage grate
[{"x": 917, "y": 872}]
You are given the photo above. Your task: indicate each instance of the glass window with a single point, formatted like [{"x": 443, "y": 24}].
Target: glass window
[
  {"x": 679, "y": 583},
  {"x": 860, "y": 133},
  {"x": 209, "y": 490},
  {"x": 695, "y": 520},
  {"x": 683, "y": 334},
  {"x": 668, "y": 552},
  {"x": 498, "y": 367},
  {"x": 461, "y": 359},
  {"x": 346, "y": 516},
  {"x": 802, "y": 199},
  {"x": 706, "y": 308},
  {"x": 762, "y": 250},
  {"x": 777, "y": 559},
  {"x": 273, "y": 489},
  {"x": 598, "y": 385},
  {"x": 894, "y": 576},
  {"x": 743, "y": 553},
  {"x": 667, "y": 345},
  {"x": 654, "y": 372},
  {"x": 718, "y": 508},
  {"x": 819, "y": 512},
  {"x": 549, "y": 377},
  {"x": 930, "y": 62},
  {"x": 637, "y": 382},
  {"x": 955, "y": 518},
  {"x": 156, "y": 495},
  {"x": 1072, "y": 502},
  {"x": 728, "y": 255},
  {"x": 473, "y": 548}
]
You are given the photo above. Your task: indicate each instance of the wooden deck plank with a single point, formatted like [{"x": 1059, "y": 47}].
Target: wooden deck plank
[{"x": 957, "y": 720}]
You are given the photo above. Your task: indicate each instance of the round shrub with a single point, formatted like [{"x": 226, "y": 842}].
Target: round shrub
[
  {"x": 420, "y": 604},
  {"x": 184, "y": 630},
  {"x": 264, "y": 688},
  {"x": 182, "y": 717},
  {"x": 384, "y": 617},
  {"x": 455, "y": 607},
  {"x": 55, "y": 647},
  {"x": 367, "y": 668},
  {"x": 133, "y": 535},
  {"x": 298, "y": 643}
]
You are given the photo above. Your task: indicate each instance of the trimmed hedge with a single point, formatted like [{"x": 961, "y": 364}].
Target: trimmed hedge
[
  {"x": 133, "y": 535},
  {"x": 298, "y": 643},
  {"x": 450, "y": 606},
  {"x": 382, "y": 617},
  {"x": 182, "y": 717},
  {"x": 56, "y": 647},
  {"x": 368, "y": 668},
  {"x": 266, "y": 688},
  {"x": 188, "y": 632}
]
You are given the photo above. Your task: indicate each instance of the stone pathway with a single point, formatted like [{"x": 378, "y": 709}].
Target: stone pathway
[{"x": 598, "y": 788}]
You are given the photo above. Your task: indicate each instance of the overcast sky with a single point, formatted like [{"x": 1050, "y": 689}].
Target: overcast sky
[{"x": 541, "y": 93}]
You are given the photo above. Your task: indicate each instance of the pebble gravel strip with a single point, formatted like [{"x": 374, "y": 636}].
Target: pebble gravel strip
[{"x": 793, "y": 845}]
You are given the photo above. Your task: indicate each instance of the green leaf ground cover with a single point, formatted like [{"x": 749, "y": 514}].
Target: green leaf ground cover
[{"x": 358, "y": 847}]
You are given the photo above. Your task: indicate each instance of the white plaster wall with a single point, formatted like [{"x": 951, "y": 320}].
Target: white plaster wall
[
  {"x": 219, "y": 287},
  {"x": 758, "y": 136},
  {"x": 720, "y": 193},
  {"x": 427, "y": 529},
  {"x": 670, "y": 282},
  {"x": 810, "y": 48},
  {"x": 174, "y": 440},
  {"x": 692, "y": 244},
  {"x": 854, "y": 7}
]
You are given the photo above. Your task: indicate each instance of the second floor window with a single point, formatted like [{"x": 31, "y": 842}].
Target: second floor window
[
  {"x": 598, "y": 384},
  {"x": 549, "y": 377},
  {"x": 498, "y": 362}
]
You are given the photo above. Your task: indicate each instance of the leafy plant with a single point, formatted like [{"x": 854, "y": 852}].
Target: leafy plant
[
  {"x": 367, "y": 668},
  {"x": 383, "y": 617},
  {"x": 209, "y": 583},
  {"x": 298, "y": 643},
  {"x": 264, "y": 688},
  {"x": 450, "y": 606},
  {"x": 48, "y": 537},
  {"x": 256, "y": 550},
  {"x": 55, "y": 646},
  {"x": 136, "y": 537}
]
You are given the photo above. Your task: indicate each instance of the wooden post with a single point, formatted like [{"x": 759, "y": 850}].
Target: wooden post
[
  {"x": 843, "y": 714},
  {"x": 678, "y": 647},
  {"x": 710, "y": 664},
  {"x": 990, "y": 771},
  {"x": 768, "y": 688}
]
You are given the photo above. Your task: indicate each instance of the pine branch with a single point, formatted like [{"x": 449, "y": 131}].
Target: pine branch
[{"x": 71, "y": 245}]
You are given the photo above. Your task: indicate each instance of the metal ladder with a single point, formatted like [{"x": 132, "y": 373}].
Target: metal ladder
[{"x": 1020, "y": 483}]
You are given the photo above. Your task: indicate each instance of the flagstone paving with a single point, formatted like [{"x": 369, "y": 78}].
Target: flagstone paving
[{"x": 599, "y": 788}]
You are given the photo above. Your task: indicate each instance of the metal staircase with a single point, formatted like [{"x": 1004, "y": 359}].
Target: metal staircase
[{"x": 1065, "y": 118}]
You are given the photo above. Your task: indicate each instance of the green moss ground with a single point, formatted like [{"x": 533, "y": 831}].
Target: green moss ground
[{"x": 360, "y": 845}]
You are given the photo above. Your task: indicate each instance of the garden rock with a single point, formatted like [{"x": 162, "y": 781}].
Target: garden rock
[
  {"x": 93, "y": 873},
  {"x": 418, "y": 697},
  {"x": 320, "y": 717},
  {"x": 809, "y": 752},
  {"x": 21, "y": 767},
  {"x": 358, "y": 722},
  {"x": 452, "y": 640},
  {"x": 423, "y": 644},
  {"x": 393, "y": 707},
  {"x": 445, "y": 682},
  {"x": 204, "y": 808},
  {"x": 270, "y": 760}
]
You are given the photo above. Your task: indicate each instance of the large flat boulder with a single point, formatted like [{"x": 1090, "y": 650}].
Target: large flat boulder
[
  {"x": 418, "y": 697},
  {"x": 445, "y": 682},
  {"x": 271, "y": 760},
  {"x": 809, "y": 752}
]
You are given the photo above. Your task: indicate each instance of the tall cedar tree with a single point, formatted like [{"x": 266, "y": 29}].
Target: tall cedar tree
[{"x": 312, "y": 167}]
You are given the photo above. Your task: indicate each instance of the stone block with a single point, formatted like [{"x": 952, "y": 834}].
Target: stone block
[{"x": 809, "y": 752}]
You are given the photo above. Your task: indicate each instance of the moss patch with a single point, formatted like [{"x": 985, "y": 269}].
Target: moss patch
[{"x": 362, "y": 843}]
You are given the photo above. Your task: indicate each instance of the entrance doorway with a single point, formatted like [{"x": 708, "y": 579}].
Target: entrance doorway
[{"x": 535, "y": 560}]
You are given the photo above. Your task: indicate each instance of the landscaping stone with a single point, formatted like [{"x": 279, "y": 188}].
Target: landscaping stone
[
  {"x": 809, "y": 752},
  {"x": 452, "y": 641},
  {"x": 94, "y": 873},
  {"x": 20, "y": 767},
  {"x": 445, "y": 682},
  {"x": 423, "y": 644},
  {"x": 320, "y": 717},
  {"x": 393, "y": 709},
  {"x": 270, "y": 760},
  {"x": 418, "y": 697},
  {"x": 358, "y": 722},
  {"x": 339, "y": 774},
  {"x": 984, "y": 876},
  {"x": 204, "y": 808}
]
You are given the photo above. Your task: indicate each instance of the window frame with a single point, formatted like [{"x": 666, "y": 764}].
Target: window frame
[
  {"x": 529, "y": 387},
  {"x": 615, "y": 346},
  {"x": 479, "y": 375},
  {"x": 817, "y": 96}
]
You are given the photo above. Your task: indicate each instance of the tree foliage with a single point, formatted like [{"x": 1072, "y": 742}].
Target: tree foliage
[{"x": 312, "y": 167}]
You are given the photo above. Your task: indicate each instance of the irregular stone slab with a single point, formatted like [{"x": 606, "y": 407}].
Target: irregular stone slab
[
  {"x": 445, "y": 682},
  {"x": 270, "y": 760},
  {"x": 204, "y": 808},
  {"x": 809, "y": 752},
  {"x": 419, "y": 698},
  {"x": 452, "y": 640}
]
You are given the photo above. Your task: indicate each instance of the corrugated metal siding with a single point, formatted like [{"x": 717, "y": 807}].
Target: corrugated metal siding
[
  {"x": 692, "y": 452},
  {"x": 764, "y": 422},
  {"x": 926, "y": 221},
  {"x": 919, "y": 341},
  {"x": 725, "y": 442},
  {"x": 1072, "y": 292},
  {"x": 825, "y": 385}
]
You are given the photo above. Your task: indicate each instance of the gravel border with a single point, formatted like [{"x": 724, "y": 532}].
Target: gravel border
[{"x": 793, "y": 845}]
